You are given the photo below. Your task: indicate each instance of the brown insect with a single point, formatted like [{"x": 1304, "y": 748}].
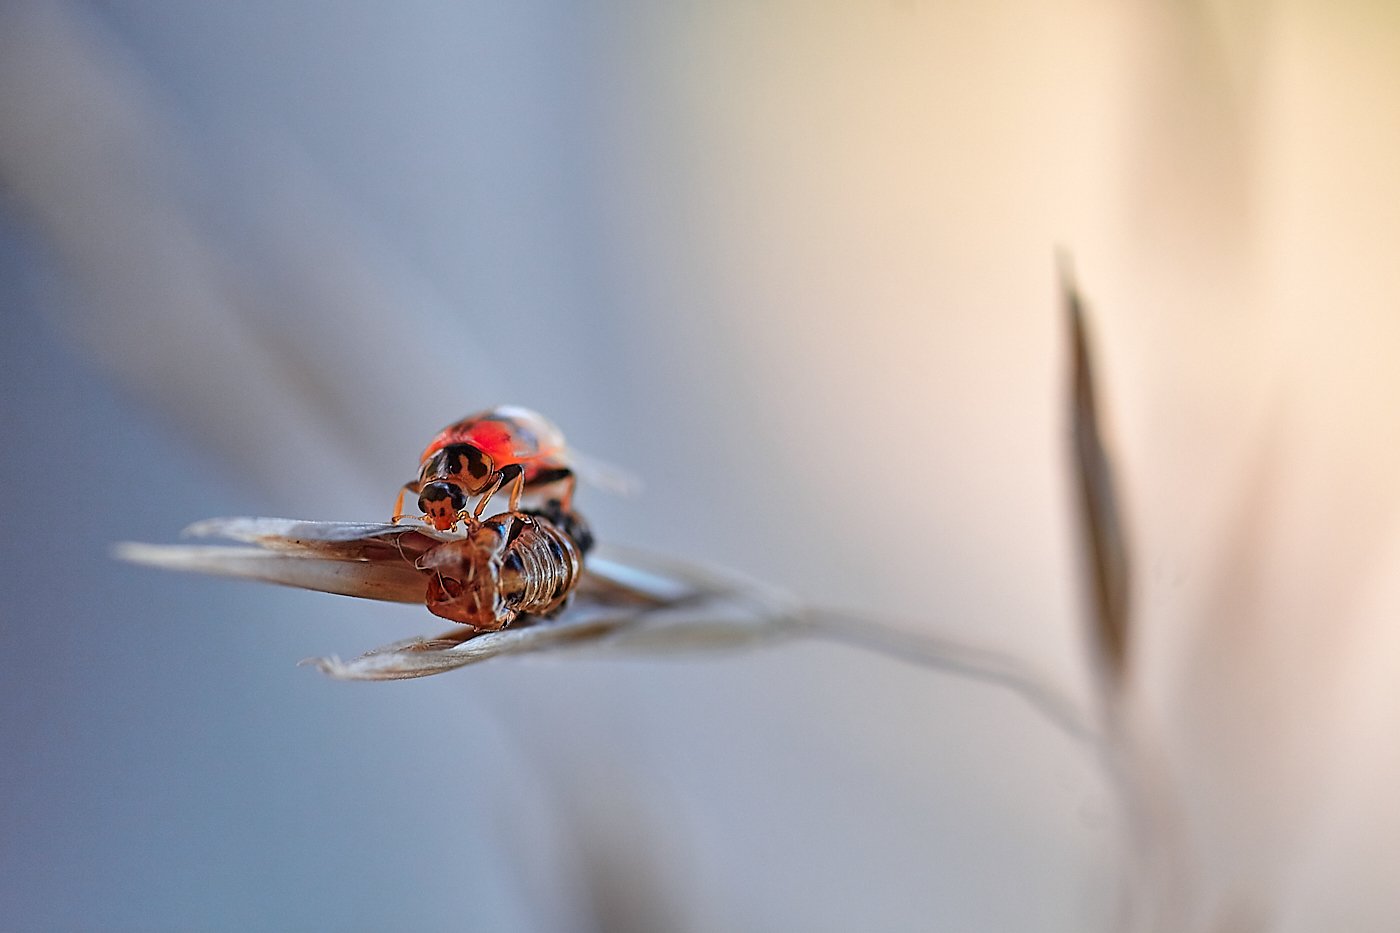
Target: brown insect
[{"x": 511, "y": 564}]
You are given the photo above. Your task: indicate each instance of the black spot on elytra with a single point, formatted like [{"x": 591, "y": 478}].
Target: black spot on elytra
[{"x": 456, "y": 460}]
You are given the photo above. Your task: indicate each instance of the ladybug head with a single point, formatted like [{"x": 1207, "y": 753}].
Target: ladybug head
[{"x": 441, "y": 502}]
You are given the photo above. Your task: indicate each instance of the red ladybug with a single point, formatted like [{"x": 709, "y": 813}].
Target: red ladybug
[{"x": 480, "y": 454}]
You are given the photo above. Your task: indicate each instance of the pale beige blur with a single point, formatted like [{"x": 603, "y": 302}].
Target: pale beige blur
[{"x": 881, "y": 210}]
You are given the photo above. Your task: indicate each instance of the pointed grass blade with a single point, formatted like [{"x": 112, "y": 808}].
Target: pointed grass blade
[{"x": 1104, "y": 546}]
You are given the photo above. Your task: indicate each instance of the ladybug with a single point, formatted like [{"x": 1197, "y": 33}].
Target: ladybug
[{"x": 483, "y": 452}]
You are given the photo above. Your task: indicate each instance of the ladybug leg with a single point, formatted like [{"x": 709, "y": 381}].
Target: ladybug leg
[
  {"x": 486, "y": 496},
  {"x": 564, "y": 476},
  {"x": 517, "y": 487},
  {"x": 511, "y": 473},
  {"x": 398, "y": 503}
]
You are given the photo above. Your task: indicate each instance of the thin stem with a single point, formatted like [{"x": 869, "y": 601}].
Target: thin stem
[{"x": 989, "y": 666}]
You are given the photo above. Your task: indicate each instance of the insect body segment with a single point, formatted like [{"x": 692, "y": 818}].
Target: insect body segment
[
  {"x": 510, "y": 564},
  {"x": 479, "y": 455}
]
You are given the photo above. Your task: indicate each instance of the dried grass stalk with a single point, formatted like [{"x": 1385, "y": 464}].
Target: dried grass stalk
[{"x": 627, "y": 601}]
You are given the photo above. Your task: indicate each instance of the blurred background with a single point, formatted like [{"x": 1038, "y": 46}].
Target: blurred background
[{"x": 792, "y": 264}]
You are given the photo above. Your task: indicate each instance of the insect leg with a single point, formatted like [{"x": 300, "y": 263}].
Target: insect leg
[
  {"x": 510, "y": 473},
  {"x": 490, "y": 491},
  {"x": 518, "y": 481},
  {"x": 558, "y": 474},
  {"x": 398, "y": 503}
]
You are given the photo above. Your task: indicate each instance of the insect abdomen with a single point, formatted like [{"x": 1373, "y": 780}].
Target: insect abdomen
[
  {"x": 540, "y": 568},
  {"x": 509, "y": 564}
]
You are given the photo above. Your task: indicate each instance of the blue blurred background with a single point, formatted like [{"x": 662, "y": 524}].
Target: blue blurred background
[{"x": 791, "y": 264}]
